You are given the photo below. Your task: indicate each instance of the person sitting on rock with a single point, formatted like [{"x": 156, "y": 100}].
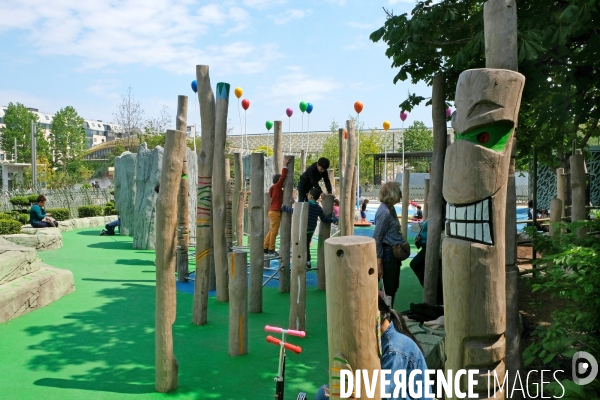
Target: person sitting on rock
[{"x": 39, "y": 217}]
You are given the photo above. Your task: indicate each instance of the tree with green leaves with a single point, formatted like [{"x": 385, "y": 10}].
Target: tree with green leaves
[
  {"x": 417, "y": 137},
  {"x": 68, "y": 136},
  {"x": 17, "y": 119},
  {"x": 559, "y": 43}
]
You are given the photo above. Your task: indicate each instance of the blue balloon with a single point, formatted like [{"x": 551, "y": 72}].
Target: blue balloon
[
  {"x": 195, "y": 86},
  {"x": 309, "y": 108}
]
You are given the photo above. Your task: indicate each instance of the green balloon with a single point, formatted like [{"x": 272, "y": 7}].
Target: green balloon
[
  {"x": 303, "y": 106},
  {"x": 269, "y": 125}
]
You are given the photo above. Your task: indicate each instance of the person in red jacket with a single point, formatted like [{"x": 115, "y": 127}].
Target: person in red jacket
[{"x": 276, "y": 193}]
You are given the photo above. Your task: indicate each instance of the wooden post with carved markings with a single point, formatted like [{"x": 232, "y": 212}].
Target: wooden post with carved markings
[
  {"x": 298, "y": 279},
  {"x": 183, "y": 226},
  {"x": 238, "y": 304},
  {"x": 285, "y": 230},
  {"x": 204, "y": 207},
  {"x": 257, "y": 232}
]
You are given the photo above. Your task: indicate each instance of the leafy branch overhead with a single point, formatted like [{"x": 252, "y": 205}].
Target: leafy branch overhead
[{"x": 558, "y": 47}]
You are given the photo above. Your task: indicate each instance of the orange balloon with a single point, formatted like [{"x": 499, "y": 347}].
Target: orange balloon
[
  {"x": 345, "y": 134},
  {"x": 386, "y": 125},
  {"x": 358, "y": 106},
  {"x": 238, "y": 92}
]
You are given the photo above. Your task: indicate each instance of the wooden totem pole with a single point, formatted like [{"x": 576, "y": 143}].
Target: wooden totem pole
[
  {"x": 487, "y": 107},
  {"x": 206, "y": 98}
]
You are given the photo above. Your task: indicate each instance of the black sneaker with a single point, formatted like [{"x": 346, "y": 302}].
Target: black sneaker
[
  {"x": 273, "y": 253},
  {"x": 266, "y": 251},
  {"x": 103, "y": 232}
]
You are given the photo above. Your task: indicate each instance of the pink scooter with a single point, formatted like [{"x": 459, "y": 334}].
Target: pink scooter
[{"x": 280, "y": 378}]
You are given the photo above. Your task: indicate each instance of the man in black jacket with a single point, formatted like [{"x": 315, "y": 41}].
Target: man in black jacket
[{"x": 311, "y": 178}]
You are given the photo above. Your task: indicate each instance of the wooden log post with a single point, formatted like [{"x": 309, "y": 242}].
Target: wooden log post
[
  {"x": 238, "y": 303},
  {"x": 405, "y": 202},
  {"x": 435, "y": 205},
  {"x": 218, "y": 193},
  {"x": 183, "y": 221},
  {"x": 342, "y": 164},
  {"x": 561, "y": 189},
  {"x": 166, "y": 216},
  {"x": 299, "y": 257},
  {"x": 346, "y": 206},
  {"x": 578, "y": 210},
  {"x": 238, "y": 170},
  {"x": 285, "y": 230},
  {"x": 204, "y": 207},
  {"x": 474, "y": 249},
  {"x": 257, "y": 232},
  {"x": 331, "y": 174},
  {"x": 324, "y": 234},
  {"x": 426, "y": 201},
  {"x": 500, "y": 31},
  {"x": 267, "y": 222},
  {"x": 353, "y": 208},
  {"x": 302, "y": 160},
  {"x": 228, "y": 206},
  {"x": 241, "y": 206},
  {"x": 555, "y": 216},
  {"x": 277, "y": 146},
  {"x": 352, "y": 310}
]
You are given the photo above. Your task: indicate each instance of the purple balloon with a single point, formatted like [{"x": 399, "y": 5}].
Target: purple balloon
[
  {"x": 289, "y": 112},
  {"x": 448, "y": 112},
  {"x": 403, "y": 116}
]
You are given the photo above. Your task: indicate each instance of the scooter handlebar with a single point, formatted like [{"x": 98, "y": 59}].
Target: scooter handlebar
[
  {"x": 289, "y": 346},
  {"x": 286, "y": 331}
]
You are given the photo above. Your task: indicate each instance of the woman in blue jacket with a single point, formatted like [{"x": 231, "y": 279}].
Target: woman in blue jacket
[{"x": 37, "y": 214}]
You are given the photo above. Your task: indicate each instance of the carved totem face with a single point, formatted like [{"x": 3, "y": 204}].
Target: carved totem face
[{"x": 476, "y": 165}]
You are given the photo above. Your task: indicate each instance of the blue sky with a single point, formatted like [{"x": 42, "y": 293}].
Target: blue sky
[{"x": 85, "y": 53}]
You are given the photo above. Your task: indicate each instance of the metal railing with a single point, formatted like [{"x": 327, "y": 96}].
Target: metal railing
[{"x": 61, "y": 198}]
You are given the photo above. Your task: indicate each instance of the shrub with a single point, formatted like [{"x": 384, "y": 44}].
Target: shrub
[
  {"x": 89, "y": 211},
  {"x": 110, "y": 204},
  {"x": 59, "y": 214},
  {"x": 6, "y": 216},
  {"x": 86, "y": 186},
  {"x": 9, "y": 227},
  {"x": 23, "y": 218},
  {"x": 32, "y": 198},
  {"x": 112, "y": 192},
  {"x": 19, "y": 201}
]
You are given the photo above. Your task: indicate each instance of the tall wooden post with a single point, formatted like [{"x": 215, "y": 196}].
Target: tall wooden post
[
  {"x": 435, "y": 205},
  {"x": 331, "y": 174},
  {"x": 257, "y": 232},
  {"x": 241, "y": 205},
  {"x": 405, "y": 199},
  {"x": 500, "y": 31},
  {"x": 285, "y": 230},
  {"x": 324, "y": 234},
  {"x": 353, "y": 208},
  {"x": 277, "y": 146},
  {"x": 204, "y": 207},
  {"x": 578, "y": 210},
  {"x": 183, "y": 226},
  {"x": 166, "y": 216},
  {"x": 238, "y": 170},
  {"x": 346, "y": 205},
  {"x": 218, "y": 193},
  {"x": 228, "y": 206},
  {"x": 299, "y": 256},
  {"x": 352, "y": 311},
  {"x": 238, "y": 304},
  {"x": 560, "y": 189},
  {"x": 555, "y": 207},
  {"x": 426, "y": 201},
  {"x": 342, "y": 161},
  {"x": 302, "y": 160}
]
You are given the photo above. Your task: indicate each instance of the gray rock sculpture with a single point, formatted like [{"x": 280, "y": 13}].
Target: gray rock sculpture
[
  {"x": 147, "y": 177},
  {"x": 125, "y": 168}
]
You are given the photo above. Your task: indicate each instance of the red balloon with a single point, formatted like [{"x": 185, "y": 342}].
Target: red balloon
[
  {"x": 245, "y": 104},
  {"x": 358, "y": 106},
  {"x": 345, "y": 134}
]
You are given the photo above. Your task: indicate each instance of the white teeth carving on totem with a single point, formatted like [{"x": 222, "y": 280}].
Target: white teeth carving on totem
[{"x": 470, "y": 222}]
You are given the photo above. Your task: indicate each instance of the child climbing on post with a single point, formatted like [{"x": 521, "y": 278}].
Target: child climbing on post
[
  {"x": 315, "y": 212},
  {"x": 363, "y": 211},
  {"x": 276, "y": 193}
]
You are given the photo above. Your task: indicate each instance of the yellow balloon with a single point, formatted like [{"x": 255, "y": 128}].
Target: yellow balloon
[
  {"x": 238, "y": 92},
  {"x": 386, "y": 125}
]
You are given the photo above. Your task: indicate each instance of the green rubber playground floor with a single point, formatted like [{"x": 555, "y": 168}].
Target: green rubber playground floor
[{"x": 98, "y": 342}]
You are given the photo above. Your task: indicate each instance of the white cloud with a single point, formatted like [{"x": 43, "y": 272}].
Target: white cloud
[
  {"x": 298, "y": 85},
  {"x": 262, "y": 3},
  {"x": 359, "y": 25},
  {"x": 168, "y": 34},
  {"x": 290, "y": 15}
]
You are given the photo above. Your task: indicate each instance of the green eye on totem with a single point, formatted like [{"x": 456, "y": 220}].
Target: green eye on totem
[{"x": 493, "y": 137}]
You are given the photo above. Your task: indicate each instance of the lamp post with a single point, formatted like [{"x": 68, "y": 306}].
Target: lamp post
[{"x": 33, "y": 156}]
